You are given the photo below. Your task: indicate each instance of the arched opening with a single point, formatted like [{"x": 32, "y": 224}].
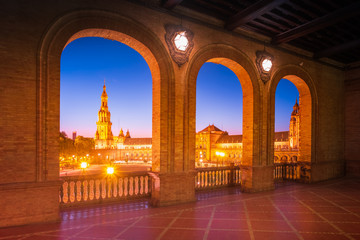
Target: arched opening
[
  {"x": 218, "y": 117},
  {"x": 98, "y": 73},
  {"x": 243, "y": 68},
  {"x": 92, "y": 23},
  {"x": 287, "y": 129},
  {"x": 306, "y": 128}
]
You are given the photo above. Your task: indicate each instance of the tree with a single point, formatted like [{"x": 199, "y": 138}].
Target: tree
[
  {"x": 67, "y": 148},
  {"x": 84, "y": 145}
]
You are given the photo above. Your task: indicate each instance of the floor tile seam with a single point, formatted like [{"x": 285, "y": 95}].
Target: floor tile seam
[
  {"x": 346, "y": 222},
  {"x": 69, "y": 228},
  {"x": 36, "y": 233},
  {"x": 327, "y": 233},
  {"x": 287, "y": 220},
  {"x": 251, "y": 232},
  {"x": 266, "y": 220},
  {"x": 337, "y": 205},
  {"x": 189, "y": 228},
  {"x": 354, "y": 199},
  {"x": 169, "y": 225},
  {"x": 208, "y": 227},
  {"x": 229, "y": 230},
  {"x": 274, "y": 231},
  {"x": 80, "y": 232},
  {"x": 322, "y": 217},
  {"x": 127, "y": 228}
]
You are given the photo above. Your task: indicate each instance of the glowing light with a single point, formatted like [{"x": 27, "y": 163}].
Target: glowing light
[
  {"x": 266, "y": 65},
  {"x": 110, "y": 170},
  {"x": 221, "y": 154},
  {"x": 181, "y": 41},
  {"x": 84, "y": 165}
]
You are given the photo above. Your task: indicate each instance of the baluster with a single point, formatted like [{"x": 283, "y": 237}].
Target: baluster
[
  {"x": 109, "y": 186},
  {"x": 221, "y": 174},
  {"x": 141, "y": 185},
  {"x": 121, "y": 187},
  {"x": 62, "y": 193},
  {"x": 202, "y": 179},
  {"x": 210, "y": 179},
  {"x": 147, "y": 184},
  {"x": 130, "y": 189},
  {"x": 126, "y": 189}
]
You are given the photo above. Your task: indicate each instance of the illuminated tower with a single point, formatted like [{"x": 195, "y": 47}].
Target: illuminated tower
[
  {"x": 103, "y": 135},
  {"x": 294, "y": 127}
]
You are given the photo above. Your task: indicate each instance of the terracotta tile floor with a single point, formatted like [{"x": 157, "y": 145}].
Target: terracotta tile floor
[{"x": 328, "y": 210}]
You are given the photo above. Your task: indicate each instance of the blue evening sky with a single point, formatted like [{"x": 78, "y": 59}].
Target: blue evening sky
[{"x": 86, "y": 62}]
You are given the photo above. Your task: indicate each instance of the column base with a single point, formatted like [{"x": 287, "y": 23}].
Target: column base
[
  {"x": 28, "y": 203},
  {"x": 174, "y": 188},
  {"x": 353, "y": 168},
  {"x": 327, "y": 170},
  {"x": 257, "y": 179}
]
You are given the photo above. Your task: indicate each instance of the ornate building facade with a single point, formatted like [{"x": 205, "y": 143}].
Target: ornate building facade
[
  {"x": 213, "y": 145},
  {"x": 216, "y": 146}
]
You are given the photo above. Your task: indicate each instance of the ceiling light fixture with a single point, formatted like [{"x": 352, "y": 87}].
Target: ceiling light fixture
[
  {"x": 264, "y": 63},
  {"x": 180, "y": 42}
]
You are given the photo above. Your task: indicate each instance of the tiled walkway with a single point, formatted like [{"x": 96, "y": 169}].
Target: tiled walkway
[{"x": 323, "y": 211}]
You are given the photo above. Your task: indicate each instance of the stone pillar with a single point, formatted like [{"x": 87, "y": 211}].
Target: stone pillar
[{"x": 25, "y": 203}]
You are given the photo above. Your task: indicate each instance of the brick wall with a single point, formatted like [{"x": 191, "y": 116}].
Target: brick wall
[{"x": 352, "y": 122}]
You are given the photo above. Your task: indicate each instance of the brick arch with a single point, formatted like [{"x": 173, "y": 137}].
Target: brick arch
[
  {"x": 244, "y": 69},
  {"x": 308, "y": 107},
  {"x": 110, "y": 26}
]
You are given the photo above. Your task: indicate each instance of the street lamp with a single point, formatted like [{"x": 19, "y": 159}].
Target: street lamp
[
  {"x": 110, "y": 170},
  {"x": 83, "y": 165}
]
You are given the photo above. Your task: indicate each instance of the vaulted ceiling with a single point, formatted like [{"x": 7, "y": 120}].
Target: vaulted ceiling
[{"x": 324, "y": 28}]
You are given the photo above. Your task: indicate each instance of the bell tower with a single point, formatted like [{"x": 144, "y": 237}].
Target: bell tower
[
  {"x": 294, "y": 127},
  {"x": 103, "y": 135}
]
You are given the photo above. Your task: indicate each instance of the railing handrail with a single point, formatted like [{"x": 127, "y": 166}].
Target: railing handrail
[
  {"x": 102, "y": 176},
  {"x": 216, "y": 168}
]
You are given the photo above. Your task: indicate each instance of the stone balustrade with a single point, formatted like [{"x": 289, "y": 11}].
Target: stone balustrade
[
  {"x": 214, "y": 177},
  {"x": 83, "y": 189},
  {"x": 286, "y": 171}
]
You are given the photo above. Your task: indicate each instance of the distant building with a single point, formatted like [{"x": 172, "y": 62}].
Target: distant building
[
  {"x": 213, "y": 145},
  {"x": 74, "y": 135}
]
